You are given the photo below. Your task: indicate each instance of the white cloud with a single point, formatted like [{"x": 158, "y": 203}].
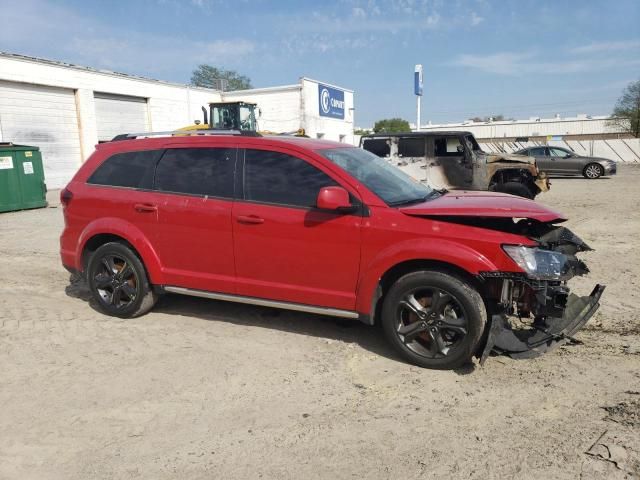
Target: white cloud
[
  {"x": 602, "y": 47},
  {"x": 95, "y": 44},
  {"x": 526, "y": 63},
  {"x": 476, "y": 19},
  {"x": 358, "y": 12}
]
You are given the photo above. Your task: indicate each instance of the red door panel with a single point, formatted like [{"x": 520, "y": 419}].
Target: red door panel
[
  {"x": 297, "y": 255},
  {"x": 195, "y": 188},
  {"x": 195, "y": 242}
]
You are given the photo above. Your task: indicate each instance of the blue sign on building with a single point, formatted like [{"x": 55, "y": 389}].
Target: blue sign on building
[{"x": 330, "y": 102}]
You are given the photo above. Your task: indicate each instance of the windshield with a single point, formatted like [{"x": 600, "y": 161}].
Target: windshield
[
  {"x": 388, "y": 182},
  {"x": 472, "y": 141}
]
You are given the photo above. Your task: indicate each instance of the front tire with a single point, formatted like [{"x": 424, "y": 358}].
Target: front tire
[
  {"x": 593, "y": 171},
  {"x": 433, "y": 319},
  {"x": 118, "y": 281}
]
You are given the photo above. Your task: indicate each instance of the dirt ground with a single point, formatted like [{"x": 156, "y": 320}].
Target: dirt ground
[{"x": 203, "y": 389}]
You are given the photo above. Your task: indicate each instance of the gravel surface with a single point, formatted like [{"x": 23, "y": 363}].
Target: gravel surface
[{"x": 203, "y": 389}]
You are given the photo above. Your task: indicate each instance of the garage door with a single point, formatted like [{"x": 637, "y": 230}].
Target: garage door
[
  {"x": 45, "y": 117},
  {"x": 116, "y": 114}
]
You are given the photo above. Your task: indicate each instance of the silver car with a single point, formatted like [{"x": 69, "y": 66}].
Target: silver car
[{"x": 562, "y": 161}]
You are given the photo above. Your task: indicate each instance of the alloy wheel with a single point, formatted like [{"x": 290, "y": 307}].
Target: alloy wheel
[
  {"x": 116, "y": 281},
  {"x": 593, "y": 171},
  {"x": 430, "y": 322}
]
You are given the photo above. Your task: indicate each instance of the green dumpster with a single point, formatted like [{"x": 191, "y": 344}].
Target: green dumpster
[{"x": 21, "y": 178}]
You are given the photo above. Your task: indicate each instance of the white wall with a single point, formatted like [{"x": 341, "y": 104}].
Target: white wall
[
  {"x": 279, "y": 106},
  {"x": 288, "y": 108},
  {"x": 169, "y": 106},
  {"x": 332, "y": 128},
  {"x": 620, "y": 150},
  {"x": 529, "y": 128}
]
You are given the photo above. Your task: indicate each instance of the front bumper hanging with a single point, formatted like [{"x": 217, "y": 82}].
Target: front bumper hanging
[{"x": 502, "y": 339}]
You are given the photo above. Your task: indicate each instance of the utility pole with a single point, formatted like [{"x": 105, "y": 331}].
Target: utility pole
[{"x": 417, "y": 90}]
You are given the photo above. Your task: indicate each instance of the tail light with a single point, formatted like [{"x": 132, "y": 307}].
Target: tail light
[{"x": 66, "y": 196}]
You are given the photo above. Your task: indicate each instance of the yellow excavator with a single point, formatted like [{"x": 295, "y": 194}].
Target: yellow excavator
[{"x": 240, "y": 116}]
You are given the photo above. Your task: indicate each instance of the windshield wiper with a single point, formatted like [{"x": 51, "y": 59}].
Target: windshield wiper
[{"x": 411, "y": 201}]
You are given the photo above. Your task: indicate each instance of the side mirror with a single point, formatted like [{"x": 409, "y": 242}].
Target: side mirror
[
  {"x": 333, "y": 198},
  {"x": 460, "y": 149}
]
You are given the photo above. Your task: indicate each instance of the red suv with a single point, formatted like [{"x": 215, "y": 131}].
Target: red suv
[{"x": 325, "y": 228}]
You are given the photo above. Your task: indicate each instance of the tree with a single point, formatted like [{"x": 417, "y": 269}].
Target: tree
[
  {"x": 361, "y": 131},
  {"x": 391, "y": 125},
  {"x": 491, "y": 118},
  {"x": 626, "y": 114},
  {"x": 206, "y": 76}
]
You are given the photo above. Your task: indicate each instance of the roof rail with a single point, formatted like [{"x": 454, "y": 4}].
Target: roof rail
[{"x": 183, "y": 133}]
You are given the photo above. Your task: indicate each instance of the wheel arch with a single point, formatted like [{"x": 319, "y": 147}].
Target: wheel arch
[
  {"x": 114, "y": 230},
  {"x": 512, "y": 174},
  {"x": 464, "y": 265}
]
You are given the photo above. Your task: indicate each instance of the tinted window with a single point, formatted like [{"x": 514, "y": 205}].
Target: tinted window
[
  {"x": 377, "y": 146},
  {"x": 197, "y": 171},
  {"x": 275, "y": 177},
  {"x": 129, "y": 169},
  {"x": 411, "y": 147},
  {"x": 537, "y": 152}
]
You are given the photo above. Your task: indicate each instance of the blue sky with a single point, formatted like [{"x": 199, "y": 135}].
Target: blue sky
[{"x": 519, "y": 58}]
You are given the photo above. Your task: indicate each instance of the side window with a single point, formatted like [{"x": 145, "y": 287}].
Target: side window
[
  {"x": 128, "y": 169},
  {"x": 377, "y": 146},
  {"x": 411, "y": 147},
  {"x": 197, "y": 171},
  {"x": 537, "y": 152},
  {"x": 274, "y": 177},
  {"x": 557, "y": 152},
  {"x": 448, "y": 147}
]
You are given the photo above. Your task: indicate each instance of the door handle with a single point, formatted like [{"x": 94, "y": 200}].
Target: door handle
[
  {"x": 253, "y": 219},
  {"x": 145, "y": 208}
]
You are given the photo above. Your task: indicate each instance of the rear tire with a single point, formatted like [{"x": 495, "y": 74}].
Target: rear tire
[
  {"x": 515, "y": 188},
  {"x": 593, "y": 171},
  {"x": 118, "y": 281},
  {"x": 433, "y": 319}
]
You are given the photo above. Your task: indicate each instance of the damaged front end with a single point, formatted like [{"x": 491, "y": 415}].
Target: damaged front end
[
  {"x": 534, "y": 312},
  {"x": 503, "y": 168}
]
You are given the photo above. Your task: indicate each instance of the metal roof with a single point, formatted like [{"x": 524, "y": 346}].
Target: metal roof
[{"x": 416, "y": 134}]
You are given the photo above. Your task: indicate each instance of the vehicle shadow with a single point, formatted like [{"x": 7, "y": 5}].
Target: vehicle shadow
[{"x": 332, "y": 328}]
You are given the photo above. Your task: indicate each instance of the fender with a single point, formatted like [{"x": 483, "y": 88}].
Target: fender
[
  {"x": 132, "y": 234},
  {"x": 417, "y": 249}
]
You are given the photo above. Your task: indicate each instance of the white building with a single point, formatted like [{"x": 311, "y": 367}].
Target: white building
[
  {"x": 66, "y": 109},
  {"x": 532, "y": 127}
]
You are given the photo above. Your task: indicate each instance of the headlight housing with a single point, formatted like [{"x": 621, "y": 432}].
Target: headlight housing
[{"x": 538, "y": 263}]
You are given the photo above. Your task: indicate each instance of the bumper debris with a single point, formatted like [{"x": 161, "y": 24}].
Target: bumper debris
[{"x": 543, "y": 336}]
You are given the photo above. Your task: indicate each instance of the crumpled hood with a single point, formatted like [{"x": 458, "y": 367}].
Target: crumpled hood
[
  {"x": 483, "y": 204},
  {"x": 509, "y": 157}
]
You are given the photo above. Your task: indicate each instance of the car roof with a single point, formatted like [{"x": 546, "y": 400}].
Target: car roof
[
  {"x": 311, "y": 143},
  {"x": 186, "y": 140},
  {"x": 417, "y": 134}
]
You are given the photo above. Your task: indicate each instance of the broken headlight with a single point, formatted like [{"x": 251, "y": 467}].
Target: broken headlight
[{"x": 538, "y": 263}]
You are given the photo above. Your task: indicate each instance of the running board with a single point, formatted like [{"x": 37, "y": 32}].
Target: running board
[{"x": 298, "y": 307}]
